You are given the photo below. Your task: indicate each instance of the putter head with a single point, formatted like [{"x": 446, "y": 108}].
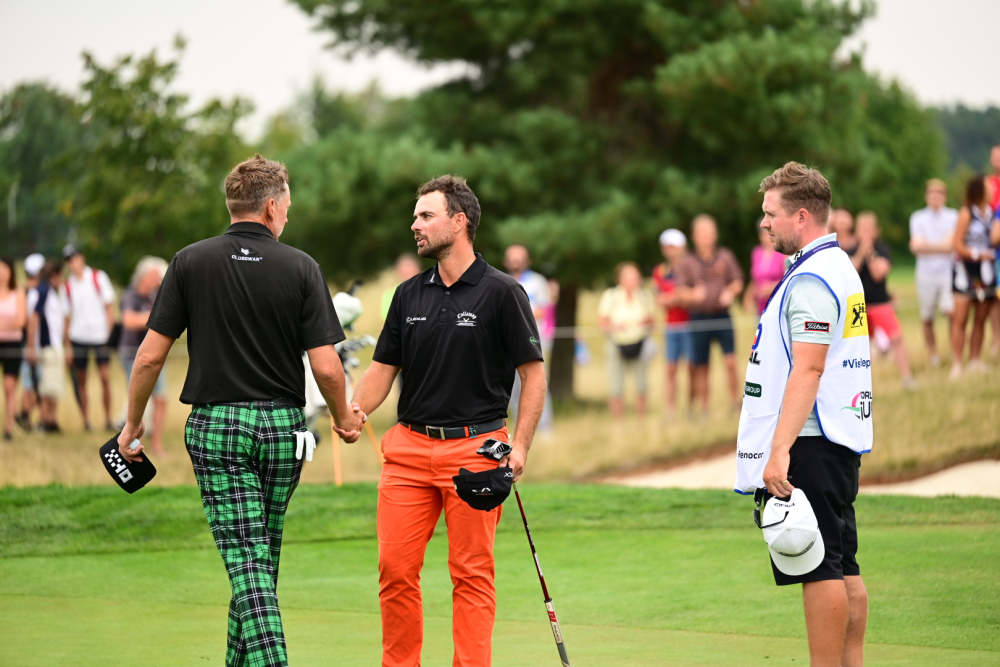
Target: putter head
[{"x": 494, "y": 449}]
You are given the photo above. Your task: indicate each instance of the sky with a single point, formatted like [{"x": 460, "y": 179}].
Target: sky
[{"x": 268, "y": 51}]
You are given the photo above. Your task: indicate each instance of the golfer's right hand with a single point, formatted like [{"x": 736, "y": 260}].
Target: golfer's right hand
[
  {"x": 776, "y": 474},
  {"x": 128, "y": 434},
  {"x": 350, "y": 430}
]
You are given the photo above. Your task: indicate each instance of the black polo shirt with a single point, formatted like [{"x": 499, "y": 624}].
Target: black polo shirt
[
  {"x": 458, "y": 346},
  {"x": 250, "y": 305}
]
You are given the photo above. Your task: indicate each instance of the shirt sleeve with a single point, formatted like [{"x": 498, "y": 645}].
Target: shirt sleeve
[
  {"x": 649, "y": 302},
  {"x": 685, "y": 276},
  {"x": 733, "y": 270},
  {"x": 65, "y": 305},
  {"x": 914, "y": 231},
  {"x": 107, "y": 289},
  {"x": 811, "y": 309},
  {"x": 518, "y": 330},
  {"x": 604, "y": 305},
  {"x": 389, "y": 349},
  {"x": 884, "y": 250},
  {"x": 318, "y": 322},
  {"x": 127, "y": 303},
  {"x": 169, "y": 315},
  {"x": 542, "y": 297}
]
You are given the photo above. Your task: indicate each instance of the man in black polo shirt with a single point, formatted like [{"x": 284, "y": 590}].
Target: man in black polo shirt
[
  {"x": 250, "y": 306},
  {"x": 457, "y": 332}
]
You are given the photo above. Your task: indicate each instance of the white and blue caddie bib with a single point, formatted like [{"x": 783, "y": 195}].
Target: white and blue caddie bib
[{"x": 844, "y": 402}]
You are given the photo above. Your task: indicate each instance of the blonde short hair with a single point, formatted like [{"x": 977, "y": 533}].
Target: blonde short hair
[
  {"x": 801, "y": 187},
  {"x": 252, "y": 183}
]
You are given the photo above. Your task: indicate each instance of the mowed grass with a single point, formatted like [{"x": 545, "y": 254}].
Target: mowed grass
[
  {"x": 940, "y": 424},
  {"x": 90, "y": 576}
]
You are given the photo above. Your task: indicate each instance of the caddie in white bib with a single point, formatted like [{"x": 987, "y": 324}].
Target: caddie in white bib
[
  {"x": 807, "y": 416},
  {"x": 844, "y": 403}
]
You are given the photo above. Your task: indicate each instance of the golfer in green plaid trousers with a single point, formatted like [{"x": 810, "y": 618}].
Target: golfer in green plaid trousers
[
  {"x": 250, "y": 305},
  {"x": 244, "y": 460}
]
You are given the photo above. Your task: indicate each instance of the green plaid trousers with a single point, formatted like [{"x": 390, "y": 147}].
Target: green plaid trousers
[{"x": 244, "y": 460}]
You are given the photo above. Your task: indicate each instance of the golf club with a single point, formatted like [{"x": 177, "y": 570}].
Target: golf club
[{"x": 549, "y": 607}]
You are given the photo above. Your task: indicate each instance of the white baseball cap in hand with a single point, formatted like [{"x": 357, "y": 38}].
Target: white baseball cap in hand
[{"x": 792, "y": 534}]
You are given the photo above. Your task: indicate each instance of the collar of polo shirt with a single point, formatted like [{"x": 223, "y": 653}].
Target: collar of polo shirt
[
  {"x": 472, "y": 275},
  {"x": 250, "y": 227}
]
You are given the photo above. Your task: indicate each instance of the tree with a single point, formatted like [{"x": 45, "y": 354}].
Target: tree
[
  {"x": 970, "y": 134},
  {"x": 37, "y": 124},
  {"x": 147, "y": 177},
  {"x": 587, "y": 127}
]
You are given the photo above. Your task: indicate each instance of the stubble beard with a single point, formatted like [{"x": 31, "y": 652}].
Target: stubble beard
[
  {"x": 437, "y": 252},
  {"x": 788, "y": 245}
]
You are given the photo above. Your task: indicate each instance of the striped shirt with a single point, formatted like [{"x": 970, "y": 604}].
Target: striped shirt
[{"x": 714, "y": 274}]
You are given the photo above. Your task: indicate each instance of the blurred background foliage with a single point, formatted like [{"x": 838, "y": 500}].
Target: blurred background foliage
[{"x": 585, "y": 128}]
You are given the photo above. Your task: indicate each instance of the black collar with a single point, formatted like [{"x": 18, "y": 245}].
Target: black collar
[
  {"x": 472, "y": 275},
  {"x": 250, "y": 227}
]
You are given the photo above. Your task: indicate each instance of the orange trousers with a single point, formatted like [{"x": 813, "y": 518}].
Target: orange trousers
[{"x": 414, "y": 487}]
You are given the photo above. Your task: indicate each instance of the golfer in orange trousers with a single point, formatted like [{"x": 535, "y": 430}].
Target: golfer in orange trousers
[
  {"x": 458, "y": 333},
  {"x": 414, "y": 488}
]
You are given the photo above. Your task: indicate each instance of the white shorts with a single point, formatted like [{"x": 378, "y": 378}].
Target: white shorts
[
  {"x": 52, "y": 371},
  {"x": 934, "y": 293}
]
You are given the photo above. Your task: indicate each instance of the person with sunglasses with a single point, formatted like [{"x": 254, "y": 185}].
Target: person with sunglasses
[{"x": 807, "y": 416}]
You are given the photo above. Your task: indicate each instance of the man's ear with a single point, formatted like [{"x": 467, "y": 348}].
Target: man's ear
[{"x": 460, "y": 221}]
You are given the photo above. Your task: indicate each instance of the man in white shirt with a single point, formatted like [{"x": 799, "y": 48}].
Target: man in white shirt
[
  {"x": 931, "y": 231},
  {"x": 88, "y": 297}
]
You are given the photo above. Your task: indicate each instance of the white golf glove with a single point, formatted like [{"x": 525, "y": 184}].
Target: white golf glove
[{"x": 304, "y": 440}]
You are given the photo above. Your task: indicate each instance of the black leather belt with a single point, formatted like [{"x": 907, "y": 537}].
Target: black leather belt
[
  {"x": 454, "y": 432},
  {"x": 273, "y": 404}
]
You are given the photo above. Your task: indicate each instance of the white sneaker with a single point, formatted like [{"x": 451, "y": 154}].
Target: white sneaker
[
  {"x": 910, "y": 384},
  {"x": 977, "y": 366},
  {"x": 935, "y": 361},
  {"x": 956, "y": 372}
]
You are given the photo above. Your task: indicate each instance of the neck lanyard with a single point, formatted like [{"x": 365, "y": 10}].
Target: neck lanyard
[{"x": 802, "y": 258}]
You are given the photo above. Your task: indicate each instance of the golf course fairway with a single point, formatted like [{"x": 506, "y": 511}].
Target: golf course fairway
[{"x": 91, "y": 576}]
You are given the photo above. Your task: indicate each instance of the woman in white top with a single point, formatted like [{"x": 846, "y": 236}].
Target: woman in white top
[
  {"x": 626, "y": 314},
  {"x": 13, "y": 315},
  {"x": 974, "y": 279}
]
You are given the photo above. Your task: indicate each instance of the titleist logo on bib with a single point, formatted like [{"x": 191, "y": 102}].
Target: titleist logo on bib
[{"x": 818, "y": 326}]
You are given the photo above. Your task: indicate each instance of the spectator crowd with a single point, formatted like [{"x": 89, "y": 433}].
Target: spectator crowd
[
  {"x": 56, "y": 323},
  {"x": 64, "y": 315},
  {"x": 956, "y": 273}
]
